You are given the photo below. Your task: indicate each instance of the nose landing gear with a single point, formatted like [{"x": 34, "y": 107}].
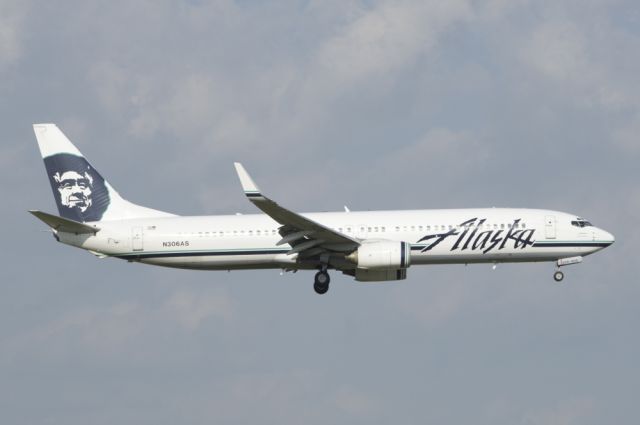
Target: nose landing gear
[
  {"x": 561, "y": 262},
  {"x": 321, "y": 282}
]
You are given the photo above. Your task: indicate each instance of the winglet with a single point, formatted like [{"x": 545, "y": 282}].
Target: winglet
[{"x": 248, "y": 185}]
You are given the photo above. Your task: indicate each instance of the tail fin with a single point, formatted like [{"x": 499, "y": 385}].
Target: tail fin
[{"x": 81, "y": 193}]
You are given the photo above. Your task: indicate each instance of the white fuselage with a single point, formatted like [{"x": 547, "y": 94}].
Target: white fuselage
[{"x": 436, "y": 236}]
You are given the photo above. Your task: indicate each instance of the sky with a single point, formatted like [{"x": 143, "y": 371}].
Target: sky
[{"x": 374, "y": 104}]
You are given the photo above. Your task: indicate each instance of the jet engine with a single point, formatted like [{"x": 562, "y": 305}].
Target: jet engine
[{"x": 382, "y": 255}]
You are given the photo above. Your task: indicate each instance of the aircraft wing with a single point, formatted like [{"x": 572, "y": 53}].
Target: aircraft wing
[
  {"x": 307, "y": 237},
  {"x": 64, "y": 224}
]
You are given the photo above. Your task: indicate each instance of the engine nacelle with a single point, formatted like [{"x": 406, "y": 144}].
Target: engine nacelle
[{"x": 382, "y": 255}]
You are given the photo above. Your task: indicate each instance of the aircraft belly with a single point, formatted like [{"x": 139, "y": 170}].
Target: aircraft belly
[{"x": 217, "y": 262}]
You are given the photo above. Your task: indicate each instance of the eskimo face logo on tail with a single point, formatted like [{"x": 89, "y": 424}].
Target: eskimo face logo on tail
[
  {"x": 472, "y": 237},
  {"x": 80, "y": 191},
  {"x": 75, "y": 189}
]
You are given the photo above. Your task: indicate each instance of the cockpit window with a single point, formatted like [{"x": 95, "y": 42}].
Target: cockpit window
[{"x": 581, "y": 222}]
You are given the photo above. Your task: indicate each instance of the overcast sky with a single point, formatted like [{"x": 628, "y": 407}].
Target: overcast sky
[{"x": 365, "y": 103}]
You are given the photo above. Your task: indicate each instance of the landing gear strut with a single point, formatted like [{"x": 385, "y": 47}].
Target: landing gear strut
[
  {"x": 321, "y": 282},
  {"x": 558, "y": 275}
]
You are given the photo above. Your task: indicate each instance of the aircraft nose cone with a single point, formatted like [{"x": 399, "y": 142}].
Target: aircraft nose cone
[{"x": 607, "y": 237}]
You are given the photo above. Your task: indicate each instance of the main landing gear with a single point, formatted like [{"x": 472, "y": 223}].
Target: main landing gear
[
  {"x": 321, "y": 282},
  {"x": 558, "y": 276}
]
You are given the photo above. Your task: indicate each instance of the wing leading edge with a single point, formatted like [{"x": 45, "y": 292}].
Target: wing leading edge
[{"x": 307, "y": 237}]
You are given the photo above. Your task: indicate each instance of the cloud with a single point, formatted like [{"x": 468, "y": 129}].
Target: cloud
[
  {"x": 437, "y": 155},
  {"x": 183, "y": 107},
  {"x": 12, "y": 16},
  {"x": 191, "y": 309},
  {"x": 441, "y": 304},
  {"x": 441, "y": 147},
  {"x": 354, "y": 402},
  {"x": 220, "y": 112},
  {"x": 568, "y": 413},
  {"x": 626, "y": 135},
  {"x": 561, "y": 51},
  {"x": 558, "y": 50},
  {"x": 285, "y": 396},
  {"x": 577, "y": 60},
  {"x": 118, "y": 328},
  {"x": 390, "y": 36}
]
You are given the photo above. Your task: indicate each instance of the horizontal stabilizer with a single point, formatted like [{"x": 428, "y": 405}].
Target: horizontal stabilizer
[{"x": 64, "y": 224}]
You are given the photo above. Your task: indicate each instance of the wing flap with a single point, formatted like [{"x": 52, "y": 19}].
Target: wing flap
[{"x": 292, "y": 237}]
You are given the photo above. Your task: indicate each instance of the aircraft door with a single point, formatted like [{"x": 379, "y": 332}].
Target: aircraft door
[
  {"x": 137, "y": 238},
  {"x": 550, "y": 226}
]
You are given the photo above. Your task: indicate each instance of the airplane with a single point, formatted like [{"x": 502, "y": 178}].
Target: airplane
[{"x": 371, "y": 246}]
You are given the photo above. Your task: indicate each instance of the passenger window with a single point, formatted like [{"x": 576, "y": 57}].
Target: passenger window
[
  {"x": 382, "y": 229},
  {"x": 397, "y": 229},
  {"x": 375, "y": 229}
]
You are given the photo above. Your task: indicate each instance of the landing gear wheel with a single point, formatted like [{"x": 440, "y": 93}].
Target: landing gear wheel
[
  {"x": 321, "y": 282},
  {"x": 558, "y": 276}
]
